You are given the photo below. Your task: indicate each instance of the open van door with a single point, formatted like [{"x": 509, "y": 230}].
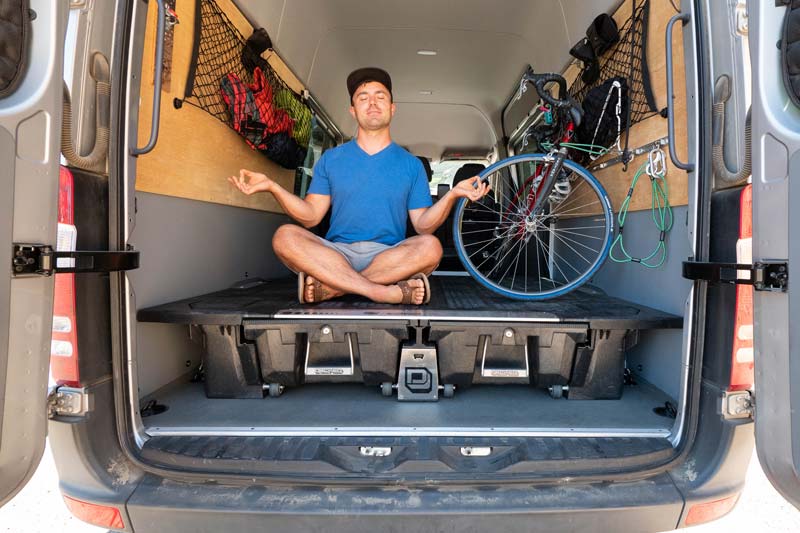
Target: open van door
[
  {"x": 30, "y": 121},
  {"x": 776, "y": 241}
]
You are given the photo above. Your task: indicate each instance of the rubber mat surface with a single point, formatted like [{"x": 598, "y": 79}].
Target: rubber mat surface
[{"x": 453, "y": 298}]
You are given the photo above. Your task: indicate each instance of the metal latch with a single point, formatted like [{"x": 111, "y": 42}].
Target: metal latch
[
  {"x": 737, "y": 405},
  {"x": 41, "y": 259},
  {"x": 69, "y": 401},
  {"x": 762, "y": 276},
  {"x": 375, "y": 451},
  {"x": 476, "y": 451}
]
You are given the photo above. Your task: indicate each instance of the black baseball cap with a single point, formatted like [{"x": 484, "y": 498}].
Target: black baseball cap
[{"x": 360, "y": 76}]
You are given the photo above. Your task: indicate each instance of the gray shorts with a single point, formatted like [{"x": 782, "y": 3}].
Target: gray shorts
[{"x": 358, "y": 254}]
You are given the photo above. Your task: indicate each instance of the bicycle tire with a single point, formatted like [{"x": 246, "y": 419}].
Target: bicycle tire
[{"x": 468, "y": 220}]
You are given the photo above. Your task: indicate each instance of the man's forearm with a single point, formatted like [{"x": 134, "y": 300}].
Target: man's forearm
[
  {"x": 294, "y": 206},
  {"x": 435, "y": 215}
]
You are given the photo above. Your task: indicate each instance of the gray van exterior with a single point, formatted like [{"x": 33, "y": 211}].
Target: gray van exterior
[{"x": 97, "y": 454}]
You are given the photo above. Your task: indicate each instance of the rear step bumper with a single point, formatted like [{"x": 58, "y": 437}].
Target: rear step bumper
[{"x": 160, "y": 505}]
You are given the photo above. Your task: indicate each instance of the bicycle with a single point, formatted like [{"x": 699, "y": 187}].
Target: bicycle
[{"x": 547, "y": 226}]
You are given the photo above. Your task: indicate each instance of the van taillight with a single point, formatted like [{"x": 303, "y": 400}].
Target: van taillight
[
  {"x": 64, "y": 339},
  {"x": 700, "y": 513},
  {"x": 95, "y": 514},
  {"x": 742, "y": 365}
]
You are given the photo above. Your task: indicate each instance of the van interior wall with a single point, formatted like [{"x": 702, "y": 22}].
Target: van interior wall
[
  {"x": 658, "y": 354},
  {"x": 189, "y": 248},
  {"x": 657, "y": 358}
]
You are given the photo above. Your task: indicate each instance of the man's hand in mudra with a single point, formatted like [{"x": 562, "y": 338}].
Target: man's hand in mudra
[
  {"x": 251, "y": 182},
  {"x": 468, "y": 189}
]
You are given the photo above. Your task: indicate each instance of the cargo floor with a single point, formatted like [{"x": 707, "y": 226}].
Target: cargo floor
[
  {"x": 453, "y": 298},
  {"x": 350, "y": 409}
]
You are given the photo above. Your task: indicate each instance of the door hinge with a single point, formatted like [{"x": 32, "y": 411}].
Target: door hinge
[
  {"x": 41, "y": 259},
  {"x": 762, "y": 276},
  {"x": 69, "y": 401},
  {"x": 737, "y": 405}
]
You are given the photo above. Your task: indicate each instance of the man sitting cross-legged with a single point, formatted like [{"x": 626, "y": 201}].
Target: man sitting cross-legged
[{"x": 372, "y": 186}]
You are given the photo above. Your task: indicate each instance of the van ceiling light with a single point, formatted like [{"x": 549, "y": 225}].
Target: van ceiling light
[
  {"x": 426, "y": 93},
  {"x": 426, "y": 52}
]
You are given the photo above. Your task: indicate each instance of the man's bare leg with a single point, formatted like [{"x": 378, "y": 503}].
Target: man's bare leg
[
  {"x": 300, "y": 250},
  {"x": 420, "y": 253}
]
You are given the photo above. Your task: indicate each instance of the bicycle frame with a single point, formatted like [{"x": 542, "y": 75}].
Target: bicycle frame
[{"x": 538, "y": 204}]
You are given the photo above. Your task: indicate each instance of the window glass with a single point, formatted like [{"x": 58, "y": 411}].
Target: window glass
[
  {"x": 444, "y": 171},
  {"x": 320, "y": 141}
]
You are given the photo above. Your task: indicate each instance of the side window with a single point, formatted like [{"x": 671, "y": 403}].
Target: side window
[
  {"x": 519, "y": 147},
  {"x": 523, "y": 147},
  {"x": 321, "y": 139}
]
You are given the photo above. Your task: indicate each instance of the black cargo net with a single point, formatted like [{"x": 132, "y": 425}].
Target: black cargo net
[
  {"x": 242, "y": 90},
  {"x": 627, "y": 59}
]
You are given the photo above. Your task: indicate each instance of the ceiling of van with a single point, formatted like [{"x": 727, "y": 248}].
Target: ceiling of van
[{"x": 450, "y": 100}]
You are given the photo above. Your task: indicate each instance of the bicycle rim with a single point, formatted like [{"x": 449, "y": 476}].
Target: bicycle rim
[{"x": 531, "y": 258}]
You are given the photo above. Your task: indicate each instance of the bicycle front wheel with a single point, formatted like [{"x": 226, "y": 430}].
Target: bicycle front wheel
[{"x": 527, "y": 256}]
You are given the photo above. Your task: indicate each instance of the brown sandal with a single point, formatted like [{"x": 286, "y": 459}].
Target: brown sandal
[
  {"x": 320, "y": 293},
  {"x": 408, "y": 290},
  {"x": 301, "y": 287}
]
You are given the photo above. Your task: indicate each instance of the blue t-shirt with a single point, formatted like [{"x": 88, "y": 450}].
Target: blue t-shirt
[{"x": 370, "y": 194}]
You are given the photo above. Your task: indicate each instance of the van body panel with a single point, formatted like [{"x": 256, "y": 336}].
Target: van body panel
[
  {"x": 30, "y": 121},
  {"x": 776, "y": 193}
]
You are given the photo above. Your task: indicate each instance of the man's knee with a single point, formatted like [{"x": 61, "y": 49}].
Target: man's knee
[
  {"x": 431, "y": 247},
  {"x": 286, "y": 237}
]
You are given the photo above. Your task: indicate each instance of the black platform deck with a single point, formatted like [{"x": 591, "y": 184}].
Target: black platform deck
[{"x": 454, "y": 298}]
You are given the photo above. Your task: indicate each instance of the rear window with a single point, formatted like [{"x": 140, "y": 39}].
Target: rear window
[{"x": 444, "y": 171}]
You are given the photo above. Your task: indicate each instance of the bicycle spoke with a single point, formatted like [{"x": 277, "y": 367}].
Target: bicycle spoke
[
  {"x": 551, "y": 251},
  {"x": 573, "y": 233},
  {"x": 487, "y": 258},
  {"x": 484, "y": 246},
  {"x": 486, "y": 209},
  {"x": 516, "y": 263},
  {"x": 561, "y": 213},
  {"x": 493, "y": 238},
  {"x": 478, "y": 231},
  {"x": 486, "y": 222},
  {"x": 526, "y": 266},
  {"x": 577, "y": 242},
  {"x": 584, "y": 227},
  {"x": 572, "y": 193},
  {"x": 538, "y": 264},
  {"x": 501, "y": 259},
  {"x": 573, "y": 249},
  {"x": 519, "y": 195}
]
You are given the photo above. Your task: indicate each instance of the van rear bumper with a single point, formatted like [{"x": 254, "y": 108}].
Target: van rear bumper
[{"x": 163, "y": 506}]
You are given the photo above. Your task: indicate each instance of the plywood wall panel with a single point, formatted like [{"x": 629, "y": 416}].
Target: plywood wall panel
[
  {"x": 196, "y": 152},
  {"x": 614, "y": 179}
]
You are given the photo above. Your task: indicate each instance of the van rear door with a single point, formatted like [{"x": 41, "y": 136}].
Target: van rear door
[
  {"x": 30, "y": 122},
  {"x": 776, "y": 239}
]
